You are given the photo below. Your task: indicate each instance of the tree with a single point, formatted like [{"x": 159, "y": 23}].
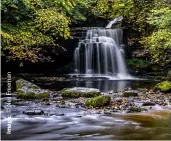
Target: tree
[
  {"x": 30, "y": 26},
  {"x": 159, "y": 42}
]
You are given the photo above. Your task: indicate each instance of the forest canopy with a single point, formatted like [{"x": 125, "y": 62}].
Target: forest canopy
[
  {"x": 31, "y": 26},
  {"x": 28, "y": 26}
]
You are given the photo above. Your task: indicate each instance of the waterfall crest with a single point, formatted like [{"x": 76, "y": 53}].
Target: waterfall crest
[
  {"x": 101, "y": 53},
  {"x": 114, "y": 21}
]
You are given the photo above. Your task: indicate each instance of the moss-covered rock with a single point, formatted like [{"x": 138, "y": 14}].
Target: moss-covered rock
[
  {"x": 98, "y": 101},
  {"x": 28, "y": 90},
  {"x": 130, "y": 93},
  {"x": 163, "y": 86},
  {"x": 79, "y": 92},
  {"x": 24, "y": 83}
]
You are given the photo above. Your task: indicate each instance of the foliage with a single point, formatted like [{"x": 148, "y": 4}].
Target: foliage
[
  {"x": 169, "y": 73},
  {"x": 126, "y": 8},
  {"x": 138, "y": 63},
  {"x": 31, "y": 26},
  {"x": 150, "y": 18},
  {"x": 159, "y": 42}
]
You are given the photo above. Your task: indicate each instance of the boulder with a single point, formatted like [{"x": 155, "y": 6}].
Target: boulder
[
  {"x": 164, "y": 86},
  {"x": 33, "y": 111},
  {"x": 24, "y": 83},
  {"x": 79, "y": 92},
  {"x": 28, "y": 90},
  {"x": 98, "y": 101}
]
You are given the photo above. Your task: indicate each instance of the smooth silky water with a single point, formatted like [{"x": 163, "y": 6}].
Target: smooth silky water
[
  {"x": 154, "y": 125},
  {"x": 101, "y": 54}
]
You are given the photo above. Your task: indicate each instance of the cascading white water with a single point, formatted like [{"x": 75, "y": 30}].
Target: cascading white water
[
  {"x": 100, "y": 53},
  {"x": 114, "y": 21}
]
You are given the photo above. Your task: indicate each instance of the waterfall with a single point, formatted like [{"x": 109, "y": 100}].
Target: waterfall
[
  {"x": 101, "y": 53},
  {"x": 114, "y": 21}
]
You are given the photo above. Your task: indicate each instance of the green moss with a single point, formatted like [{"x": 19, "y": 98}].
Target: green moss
[
  {"x": 62, "y": 101},
  {"x": 18, "y": 85},
  {"x": 35, "y": 87},
  {"x": 98, "y": 101},
  {"x": 20, "y": 93},
  {"x": 31, "y": 95},
  {"x": 21, "y": 82},
  {"x": 128, "y": 94},
  {"x": 75, "y": 94},
  {"x": 43, "y": 95},
  {"x": 163, "y": 86}
]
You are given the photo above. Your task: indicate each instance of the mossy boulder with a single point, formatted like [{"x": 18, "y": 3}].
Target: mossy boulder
[
  {"x": 24, "y": 83},
  {"x": 79, "y": 92},
  {"x": 164, "y": 86},
  {"x": 28, "y": 90},
  {"x": 130, "y": 93},
  {"x": 98, "y": 101},
  {"x": 135, "y": 110}
]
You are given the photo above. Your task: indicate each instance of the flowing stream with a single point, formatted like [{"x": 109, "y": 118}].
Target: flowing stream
[{"x": 73, "y": 125}]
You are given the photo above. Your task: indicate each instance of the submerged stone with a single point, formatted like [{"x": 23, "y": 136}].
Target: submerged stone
[
  {"x": 134, "y": 110},
  {"x": 33, "y": 111},
  {"x": 98, "y": 101},
  {"x": 130, "y": 93},
  {"x": 79, "y": 92},
  {"x": 164, "y": 86},
  {"x": 148, "y": 104}
]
